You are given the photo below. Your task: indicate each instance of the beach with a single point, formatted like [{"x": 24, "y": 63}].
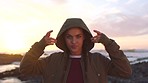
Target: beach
[{"x": 9, "y": 69}]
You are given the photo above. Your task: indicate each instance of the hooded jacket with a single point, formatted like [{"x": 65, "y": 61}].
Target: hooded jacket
[{"x": 95, "y": 66}]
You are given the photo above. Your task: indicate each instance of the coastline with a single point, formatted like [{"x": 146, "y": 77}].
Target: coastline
[
  {"x": 9, "y": 58},
  {"x": 140, "y": 75},
  {"x": 140, "y": 72}
]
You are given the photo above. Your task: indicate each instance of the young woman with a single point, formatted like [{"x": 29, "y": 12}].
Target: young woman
[{"x": 76, "y": 64}]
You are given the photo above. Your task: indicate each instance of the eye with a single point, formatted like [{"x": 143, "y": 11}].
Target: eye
[
  {"x": 68, "y": 36},
  {"x": 79, "y": 36}
]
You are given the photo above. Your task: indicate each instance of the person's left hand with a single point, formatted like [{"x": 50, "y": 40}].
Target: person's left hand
[{"x": 96, "y": 38}]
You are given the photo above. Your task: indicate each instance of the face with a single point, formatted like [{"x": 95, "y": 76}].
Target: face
[{"x": 74, "y": 40}]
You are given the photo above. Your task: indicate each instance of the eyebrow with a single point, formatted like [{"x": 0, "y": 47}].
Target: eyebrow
[{"x": 74, "y": 35}]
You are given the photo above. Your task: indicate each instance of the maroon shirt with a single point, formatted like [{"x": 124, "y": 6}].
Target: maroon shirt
[{"x": 75, "y": 73}]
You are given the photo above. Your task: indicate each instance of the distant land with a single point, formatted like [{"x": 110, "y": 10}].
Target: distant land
[
  {"x": 93, "y": 50},
  {"x": 125, "y": 50},
  {"x": 136, "y": 50},
  {"x": 9, "y": 58}
]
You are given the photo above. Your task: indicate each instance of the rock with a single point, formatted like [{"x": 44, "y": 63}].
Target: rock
[{"x": 139, "y": 75}]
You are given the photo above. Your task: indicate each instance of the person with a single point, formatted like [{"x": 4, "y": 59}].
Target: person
[{"x": 75, "y": 64}]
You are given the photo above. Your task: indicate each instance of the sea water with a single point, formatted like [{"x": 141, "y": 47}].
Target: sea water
[{"x": 10, "y": 80}]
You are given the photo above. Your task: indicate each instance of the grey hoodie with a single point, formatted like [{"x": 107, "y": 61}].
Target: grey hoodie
[{"x": 70, "y": 23}]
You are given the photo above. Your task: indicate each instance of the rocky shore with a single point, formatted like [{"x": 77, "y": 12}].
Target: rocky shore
[{"x": 140, "y": 73}]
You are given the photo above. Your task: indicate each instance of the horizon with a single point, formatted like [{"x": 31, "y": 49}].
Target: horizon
[
  {"x": 93, "y": 50},
  {"x": 24, "y": 22}
]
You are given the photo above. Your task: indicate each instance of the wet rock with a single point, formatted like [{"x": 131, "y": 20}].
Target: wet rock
[{"x": 12, "y": 73}]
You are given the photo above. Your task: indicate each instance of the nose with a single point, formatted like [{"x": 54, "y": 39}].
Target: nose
[{"x": 74, "y": 40}]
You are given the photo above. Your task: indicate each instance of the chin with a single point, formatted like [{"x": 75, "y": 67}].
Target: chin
[{"x": 75, "y": 52}]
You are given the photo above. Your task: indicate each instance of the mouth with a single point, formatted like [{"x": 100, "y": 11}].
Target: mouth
[{"x": 74, "y": 46}]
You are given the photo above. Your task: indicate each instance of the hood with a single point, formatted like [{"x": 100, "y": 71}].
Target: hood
[{"x": 70, "y": 23}]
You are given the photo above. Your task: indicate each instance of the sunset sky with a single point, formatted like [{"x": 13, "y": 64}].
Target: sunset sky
[{"x": 24, "y": 22}]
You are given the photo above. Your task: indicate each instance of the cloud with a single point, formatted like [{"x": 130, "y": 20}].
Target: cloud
[
  {"x": 114, "y": 18},
  {"x": 49, "y": 2},
  {"x": 60, "y": 1},
  {"x": 121, "y": 25},
  {"x": 112, "y": 0},
  {"x": 130, "y": 1},
  {"x": 128, "y": 18}
]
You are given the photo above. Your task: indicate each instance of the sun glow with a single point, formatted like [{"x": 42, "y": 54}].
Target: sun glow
[{"x": 14, "y": 42}]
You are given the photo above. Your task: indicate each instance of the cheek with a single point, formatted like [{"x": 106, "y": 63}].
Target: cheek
[
  {"x": 83, "y": 39},
  {"x": 81, "y": 42},
  {"x": 67, "y": 42}
]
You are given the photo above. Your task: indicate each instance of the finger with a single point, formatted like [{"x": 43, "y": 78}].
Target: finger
[
  {"x": 51, "y": 41},
  {"x": 92, "y": 40},
  {"x": 95, "y": 39},
  {"x": 98, "y": 32},
  {"x": 48, "y": 33}
]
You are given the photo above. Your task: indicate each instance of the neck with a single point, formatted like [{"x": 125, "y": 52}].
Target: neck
[{"x": 76, "y": 54}]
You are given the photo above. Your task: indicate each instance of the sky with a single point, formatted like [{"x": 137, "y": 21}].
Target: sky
[{"x": 24, "y": 22}]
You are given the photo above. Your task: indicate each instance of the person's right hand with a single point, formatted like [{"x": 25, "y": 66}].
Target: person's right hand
[{"x": 49, "y": 40}]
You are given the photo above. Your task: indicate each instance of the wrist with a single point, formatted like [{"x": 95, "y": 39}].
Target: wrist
[
  {"x": 104, "y": 40},
  {"x": 42, "y": 43}
]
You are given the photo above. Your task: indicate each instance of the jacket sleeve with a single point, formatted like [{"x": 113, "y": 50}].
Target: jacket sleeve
[
  {"x": 30, "y": 64},
  {"x": 118, "y": 65}
]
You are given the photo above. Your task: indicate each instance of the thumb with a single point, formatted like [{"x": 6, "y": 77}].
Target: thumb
[{"x": 98, "y": 32}]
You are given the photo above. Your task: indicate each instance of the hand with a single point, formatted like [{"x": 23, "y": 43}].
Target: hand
[
  {"x": 96, "y": 39},
  {"x": 49, "y": 40}
]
